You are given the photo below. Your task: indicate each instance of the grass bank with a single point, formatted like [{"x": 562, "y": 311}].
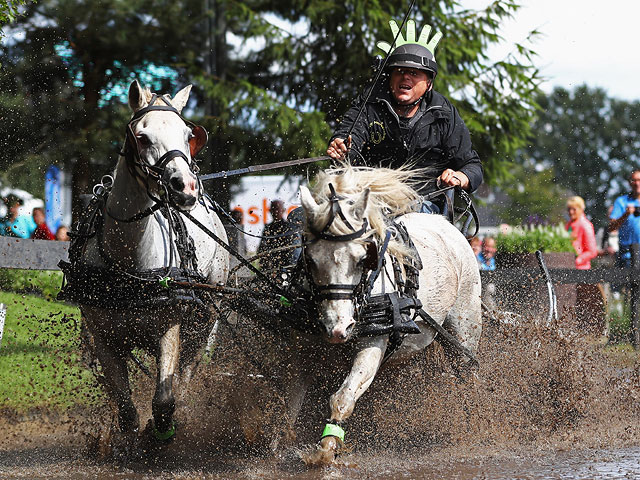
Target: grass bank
[{"x": 40, "y": 360}]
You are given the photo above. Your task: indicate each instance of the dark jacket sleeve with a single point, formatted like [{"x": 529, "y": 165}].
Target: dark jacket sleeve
[
  {"x": 461, "y": 153},
  {"x": 360, "y": 132}
]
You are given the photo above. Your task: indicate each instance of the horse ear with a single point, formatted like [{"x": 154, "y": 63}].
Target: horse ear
[
  {"x": 360, "y": 205},
  {"x": 198, "y": 141},
  {"x": 137, "y": 98},
  {"x": 181, "y": 98},
  {"x": 306, "y": 199}
]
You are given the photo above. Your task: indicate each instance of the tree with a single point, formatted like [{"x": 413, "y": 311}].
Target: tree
[
  {"x": 591, "y": 141},
  {"x": 533, "y": 197},
  {"x": 9, "y": 11},
  {"x": 321, "y": 63},
  {"x": 280, "y": 75},
  {"x": 107, "y": 43}
]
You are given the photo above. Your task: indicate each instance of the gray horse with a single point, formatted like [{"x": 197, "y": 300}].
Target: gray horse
[
  {"x": 346, "y": 216},
  {"x": 139, "y": 240}
]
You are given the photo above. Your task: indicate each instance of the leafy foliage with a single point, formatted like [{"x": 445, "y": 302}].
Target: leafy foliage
[
  {"x": 9, "y": 11},
  {"x": 591, "y": 141},
  {"x": 279, "y": 77},
  {"x": 533, "y": 195},
  {"x": 529, "y": 239}
]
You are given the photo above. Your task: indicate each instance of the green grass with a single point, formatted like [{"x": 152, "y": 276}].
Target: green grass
[{"x": 40, "y": 365}]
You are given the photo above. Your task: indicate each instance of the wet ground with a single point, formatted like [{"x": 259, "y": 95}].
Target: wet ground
[{"x": 547, "y": 402}]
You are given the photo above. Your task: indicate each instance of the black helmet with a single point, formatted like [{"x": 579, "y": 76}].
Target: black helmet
[{"x": 413, "y": 55}]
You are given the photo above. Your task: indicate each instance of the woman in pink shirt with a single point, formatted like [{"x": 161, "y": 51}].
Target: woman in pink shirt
[{"x": 581, "y": 229}]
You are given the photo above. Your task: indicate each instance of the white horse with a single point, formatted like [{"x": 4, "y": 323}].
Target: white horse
[
  {"x": 347, "y": 218},
  {"x": 137, "y": 241}
]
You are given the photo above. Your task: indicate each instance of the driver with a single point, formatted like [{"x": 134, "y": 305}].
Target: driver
[{"x": 406, "y": 122}]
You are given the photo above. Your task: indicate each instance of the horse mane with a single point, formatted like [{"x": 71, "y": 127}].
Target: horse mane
[{"x": 391, "y": 194}]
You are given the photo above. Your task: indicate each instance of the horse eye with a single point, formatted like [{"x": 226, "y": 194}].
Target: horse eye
[{"x": 143, "y": 139}]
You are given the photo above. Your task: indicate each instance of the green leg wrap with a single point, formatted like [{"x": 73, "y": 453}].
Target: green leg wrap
[
  {"x": 331, "y": 429},
  {"x": 164, "y": 436}
]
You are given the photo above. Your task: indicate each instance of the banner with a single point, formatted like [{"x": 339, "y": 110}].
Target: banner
[
  {"x": 53, "y": 198},
  {"x": 252, "y": 198}
]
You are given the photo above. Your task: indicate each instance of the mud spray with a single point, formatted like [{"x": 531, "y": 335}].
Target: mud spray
[{"x": 539, "y": 388}]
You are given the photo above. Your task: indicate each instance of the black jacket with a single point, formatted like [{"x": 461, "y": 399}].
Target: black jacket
[{"x": 435, "y": 138}]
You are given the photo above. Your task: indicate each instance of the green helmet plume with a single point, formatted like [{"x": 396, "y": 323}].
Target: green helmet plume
[
  {"x": 411, "y": 37},
  {"x": 410, "y": 52}
]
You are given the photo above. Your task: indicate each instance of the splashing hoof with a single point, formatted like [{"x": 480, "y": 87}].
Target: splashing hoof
[
  {"x": 323, "y": 455},
  {"x": 165, "y": 437},
  {"x": 153, "y": 436}
]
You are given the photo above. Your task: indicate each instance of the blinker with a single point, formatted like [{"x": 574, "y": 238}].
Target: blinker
[{"x": 199, "y": 139}]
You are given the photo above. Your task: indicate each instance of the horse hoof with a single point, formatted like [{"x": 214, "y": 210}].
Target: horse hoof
[
  {"x": 165, "y": 437},
  {"x": 323, "y": 455},
  {"x": 162, "y": 438}
]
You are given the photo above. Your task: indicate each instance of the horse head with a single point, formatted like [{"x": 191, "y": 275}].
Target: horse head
[
  {"x": 337, "y": 258},
  {"x": 161, "y": 145}
]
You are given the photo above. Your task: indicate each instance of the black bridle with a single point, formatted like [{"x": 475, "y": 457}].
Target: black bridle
[
  {"x": 132, "y": 153},
  {"x": 374, "y": 260},
  {"x": 148, "y": 173}
]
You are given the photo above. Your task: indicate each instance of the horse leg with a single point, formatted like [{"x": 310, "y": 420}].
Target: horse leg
[
  {"x": 116, "y": 376},
  {"x": 163, "y": 404},
  {"x": 363, "y": 371},
  {"x": 192, "y": 338},
  {"x": 464, "y": 321}
]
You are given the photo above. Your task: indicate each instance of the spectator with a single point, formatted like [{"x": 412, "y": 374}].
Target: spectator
[
  {"x": 476, "y": 245},
  {"x": 486, "y": 258},
  {"x": 62, "y": 233},
  {"x": 625, "y": 217},
  {"x": 14, "y": 224},
  {"x": 581, "y": 229},
  {"x": 589, "y": 297},
  {"x": 42, "y": 231},
  {"x": 278, "y": 233}
]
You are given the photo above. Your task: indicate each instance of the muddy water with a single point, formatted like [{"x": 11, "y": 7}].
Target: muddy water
[{"x": 546, "y": 403}]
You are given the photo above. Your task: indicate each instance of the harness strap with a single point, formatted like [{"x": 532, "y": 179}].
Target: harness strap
[
  {"x": 453, "y": 341},
  {"x": 334, "y": 210},
  {"x": 342, "y": 238},
  {"x": 374, "y": 274},
  {"x": 138, "y": 216},
  {"x": 275, "y": 287}
]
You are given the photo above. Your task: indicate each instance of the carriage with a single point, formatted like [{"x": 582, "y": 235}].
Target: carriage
[{"x": 149, "y": 261}]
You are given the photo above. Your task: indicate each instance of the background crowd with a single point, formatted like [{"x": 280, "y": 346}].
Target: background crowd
[
  {"x": 33, "y": 225},
  {"x": 623, "y": 230}
]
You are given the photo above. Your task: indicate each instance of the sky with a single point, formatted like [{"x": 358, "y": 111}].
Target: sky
[{"x": 588, "y": 41}]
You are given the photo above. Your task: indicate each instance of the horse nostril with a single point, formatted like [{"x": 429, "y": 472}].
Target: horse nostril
[
  {"x": 349, "y": 329},
  {"x": 176, "y": 183}
]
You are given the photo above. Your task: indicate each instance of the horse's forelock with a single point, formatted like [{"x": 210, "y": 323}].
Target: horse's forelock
[{"x": 391, "y": 194}]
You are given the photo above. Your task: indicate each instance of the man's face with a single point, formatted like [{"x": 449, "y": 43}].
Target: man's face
[
  {"x": 489, "y": 248},
  {"x": 38, "y": 217},
  {"x": 635, "y": 183},
  {"x": 277, "y": 210},
  {"x": 408, "y": 84}
]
